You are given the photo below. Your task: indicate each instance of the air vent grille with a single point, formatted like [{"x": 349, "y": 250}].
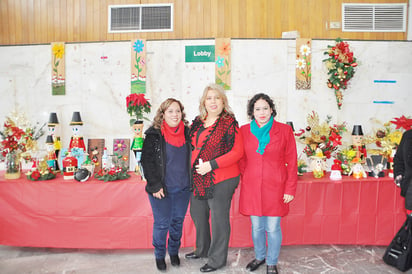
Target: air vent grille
[
  {"x": 374, "y": 17},
  {"x": 135, "y": 18}
]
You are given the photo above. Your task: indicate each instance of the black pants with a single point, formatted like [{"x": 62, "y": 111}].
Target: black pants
[{"x": 214, "y": 244}]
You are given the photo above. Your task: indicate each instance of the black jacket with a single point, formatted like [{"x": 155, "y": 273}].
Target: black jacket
[
  {"x": 154, "y": 157},
  {"x": 402, "y": 165}
]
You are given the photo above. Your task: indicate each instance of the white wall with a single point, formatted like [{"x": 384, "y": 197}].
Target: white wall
[{"x": 98, "y": 87}]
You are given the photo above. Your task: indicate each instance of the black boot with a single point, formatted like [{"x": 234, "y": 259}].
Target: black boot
[
  {"x": 161, "y": 264},
  {"x": 174, "y": 260}
]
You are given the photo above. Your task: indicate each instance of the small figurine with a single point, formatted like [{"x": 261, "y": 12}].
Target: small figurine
[
  {"x": 336, "y": 170},
  {"x": 51, "y": 153},
  {"x": 376, "y": 165},
  {"x": 357, "y": 169},
  {"x": 357, "y": 143},
  {"x": 318, "y": 164},
  {"x": 105, "y": 159},
  {"x": 137, "y": 143},
  {"x": 69, "y": 167},
  {"x": 76, "y": 140},
  {"x": 52, "y": 131}
]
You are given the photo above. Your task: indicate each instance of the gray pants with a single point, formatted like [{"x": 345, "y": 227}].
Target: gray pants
[{"x": 214, "y": 244}]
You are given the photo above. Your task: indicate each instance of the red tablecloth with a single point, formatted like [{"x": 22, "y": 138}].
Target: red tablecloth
[{"x": 68, "y": 214}]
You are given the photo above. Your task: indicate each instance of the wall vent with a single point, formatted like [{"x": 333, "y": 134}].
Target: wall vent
[
  {"x": 139, "y": 18},
  {"x": 374, "y": 17}
]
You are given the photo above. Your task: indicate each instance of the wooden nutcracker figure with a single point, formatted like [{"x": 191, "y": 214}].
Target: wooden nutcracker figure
[
  {"x": 51, "y": 154},
  {"x": 357, "y": 143},
  {"x": 52, "y": 126},
  {"x": 76, "y": 140}
]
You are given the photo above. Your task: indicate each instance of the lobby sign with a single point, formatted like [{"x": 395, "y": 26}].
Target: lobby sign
[{"x": 200, "y": 53}]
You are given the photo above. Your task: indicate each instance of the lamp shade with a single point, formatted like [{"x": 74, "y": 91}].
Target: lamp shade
[
  {"x": 290, "y": 123},
  {"x": 53, "y": 121},
  {"x": 76, "y": 119}
]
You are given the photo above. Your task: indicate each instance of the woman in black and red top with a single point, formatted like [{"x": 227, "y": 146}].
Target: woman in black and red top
[{"x": 217, "y": 147}]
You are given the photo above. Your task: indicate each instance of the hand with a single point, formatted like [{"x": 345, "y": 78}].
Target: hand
[
  {"x": 203, "y": 168},
  {"x": 287, "y": 198},
  {"x": 398, "y": 180},
  {"x": 159, "y": 195}
]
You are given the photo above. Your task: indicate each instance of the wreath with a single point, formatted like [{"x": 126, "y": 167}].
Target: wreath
[{"x": 341, "y": 67}]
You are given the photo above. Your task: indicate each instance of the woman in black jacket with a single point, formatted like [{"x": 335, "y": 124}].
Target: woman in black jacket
[
  {"x": 166, "y": 166},
  {"x": 402, "y": 168}
]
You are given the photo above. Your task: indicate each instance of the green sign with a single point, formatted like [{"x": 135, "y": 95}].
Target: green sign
[{"x": 200, "y": 54}]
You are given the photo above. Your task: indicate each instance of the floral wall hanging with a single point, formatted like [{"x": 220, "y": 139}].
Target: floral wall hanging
[
  {"x": 138, "y": 58},
  {"x": 341, "y": 65},
  {"x": 223, "y": 63},
  {"x": 58, "y": 69},
  {"x": 303, "y": 63}
]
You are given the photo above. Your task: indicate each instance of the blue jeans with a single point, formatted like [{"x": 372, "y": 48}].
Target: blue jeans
[
  {"x": 168, "y": 215},
  {"x": 270, "y": 226}
]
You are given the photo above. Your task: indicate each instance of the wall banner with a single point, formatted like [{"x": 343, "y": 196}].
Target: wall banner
[
  {"x": 138, "y": 73},
  {"x": 58, "y": 69},
  {"x": 303, "y": 63},
  {"x": 223, "y": 63}
]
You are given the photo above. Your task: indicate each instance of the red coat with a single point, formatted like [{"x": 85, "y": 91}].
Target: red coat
[{"x": 266, "y": 178}]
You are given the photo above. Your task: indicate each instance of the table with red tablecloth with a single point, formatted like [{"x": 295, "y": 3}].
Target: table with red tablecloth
[{"x": 95, "y": 214}]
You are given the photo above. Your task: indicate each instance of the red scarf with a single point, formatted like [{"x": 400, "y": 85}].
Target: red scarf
[{"x": 174, "y": 135}]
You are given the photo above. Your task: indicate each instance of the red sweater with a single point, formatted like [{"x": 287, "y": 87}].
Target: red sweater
[{"x": 228, "y": 163}]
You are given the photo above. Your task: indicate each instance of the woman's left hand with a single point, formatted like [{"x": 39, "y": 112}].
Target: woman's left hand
[
  {"x": 203, "y": 168},
  {"x": 287, "y": 198}
]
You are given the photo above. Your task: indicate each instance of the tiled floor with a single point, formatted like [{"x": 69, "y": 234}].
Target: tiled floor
[{"x": 293, "y": 259}]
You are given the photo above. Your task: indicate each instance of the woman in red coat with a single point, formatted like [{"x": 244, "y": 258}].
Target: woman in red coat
[{"x": 269, "y": 178}]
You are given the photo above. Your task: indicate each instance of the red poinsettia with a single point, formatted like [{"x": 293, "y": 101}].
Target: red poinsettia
[
  {"x": 13, "y": 138},
  {"x": 402, "y": 122},
  {"x": 35, "y": 174},
  {"x": 136, "y": 105}
]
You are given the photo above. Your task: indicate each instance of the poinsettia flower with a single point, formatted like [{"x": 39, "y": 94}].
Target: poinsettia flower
[
  {"x": 402, "y": 122},
  {"x": 335, "y": 139},
  {"x": 35, "y": 174}
]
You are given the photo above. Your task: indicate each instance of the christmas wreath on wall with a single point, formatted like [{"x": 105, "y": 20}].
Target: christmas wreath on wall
[{"x": 341, "y": 67}]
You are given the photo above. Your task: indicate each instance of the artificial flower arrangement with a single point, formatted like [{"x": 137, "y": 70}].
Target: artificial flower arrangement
[
  {"x": 18, "y": 136},
  {"x": 41, "y": 172},
  {"x": 321, "y": 135},
  {"x": 118, "y": 170},
  {"x": 388, "y": 136},
  {"x": 346, "y": 159},
  {"x": 111, "y": 174},
  {"x": 341, "y": 67},
  {"x": 137, "y": 104}
]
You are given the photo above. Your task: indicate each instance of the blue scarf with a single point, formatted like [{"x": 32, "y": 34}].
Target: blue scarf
[{"x": 262, "y": 134}]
